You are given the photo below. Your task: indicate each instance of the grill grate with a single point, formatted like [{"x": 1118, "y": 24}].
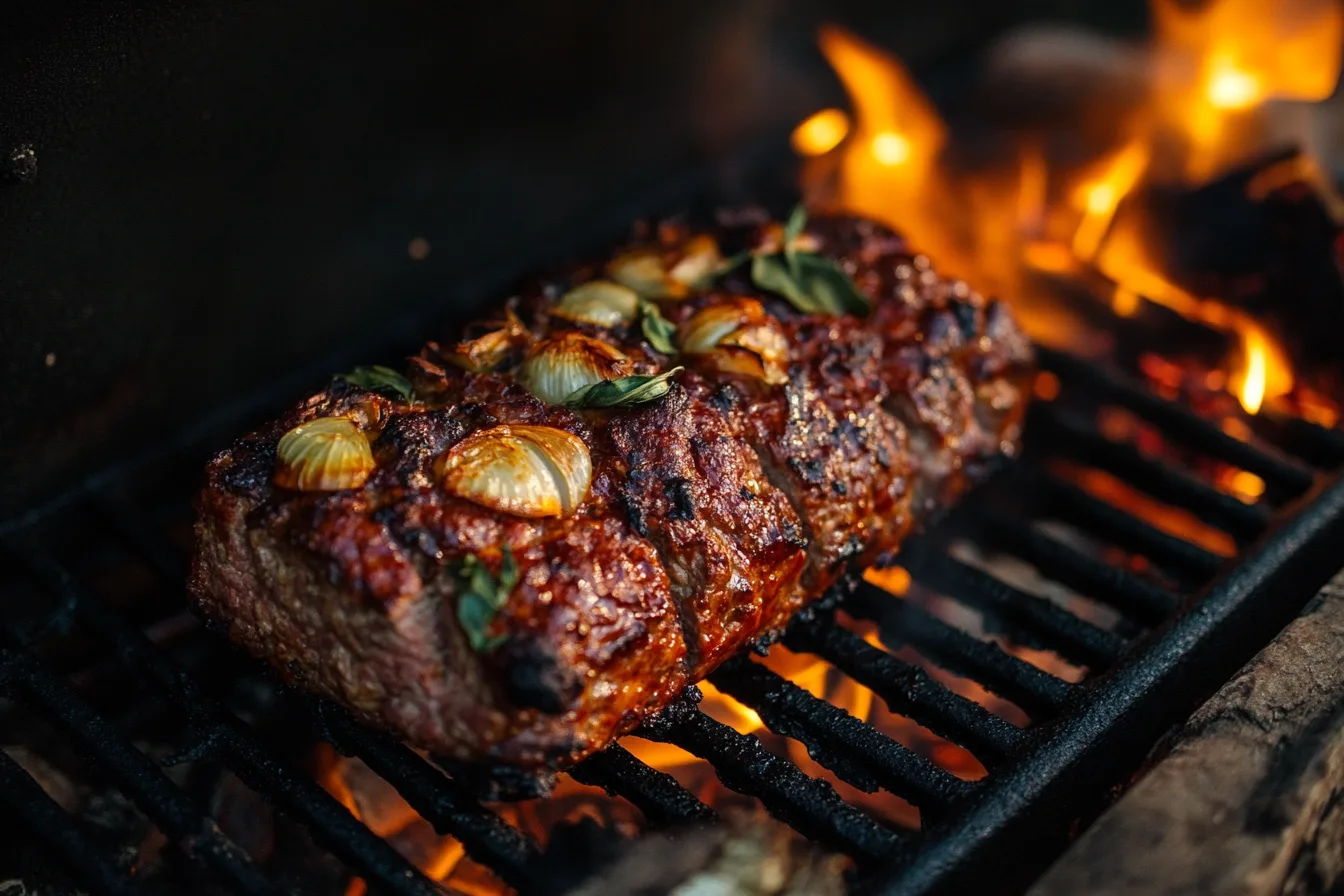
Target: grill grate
[{"x": 1180, "y": 632}]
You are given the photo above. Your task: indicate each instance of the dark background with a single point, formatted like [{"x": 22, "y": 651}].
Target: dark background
[{"x": 225, "y": 191}]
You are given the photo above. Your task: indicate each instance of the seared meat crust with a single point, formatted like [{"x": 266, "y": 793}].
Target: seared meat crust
[{"x": 714, "y": 512}]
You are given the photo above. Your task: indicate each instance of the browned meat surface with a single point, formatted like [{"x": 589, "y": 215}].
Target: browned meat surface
[{"x": 800, "y": 447}]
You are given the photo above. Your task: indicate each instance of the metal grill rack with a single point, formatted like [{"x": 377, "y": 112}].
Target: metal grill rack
[{"x": 1182, "y": 631}]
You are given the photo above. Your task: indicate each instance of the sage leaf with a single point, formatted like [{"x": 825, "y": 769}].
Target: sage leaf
[
  {"x": 811, "y": 283},
  {"x": 793, "y": 228},
  {"x": 657, "y": 329},
  {"x": 378, "y": 378},
  {"x": 624, "y": 392},
  {"x": 482, "y": 596}
]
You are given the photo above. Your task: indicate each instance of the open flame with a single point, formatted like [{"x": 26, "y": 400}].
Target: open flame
[
  {"x": 1221, "y": 63},
  {"x": 1213, "y": 75}
]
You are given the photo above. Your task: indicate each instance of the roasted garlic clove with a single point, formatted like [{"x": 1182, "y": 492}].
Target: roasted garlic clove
[
  {"x": 599, "y": 302},
  {"x": 487, "y": 352},
  {"x": 323, "y": 455},
  {"x": 737, "y": 336},
  {"x": 558, "y": 367},
  {"x": 700, "y": 260},
  {"x": 531, "y": 471},
  {"x": 657, "y": 274}
]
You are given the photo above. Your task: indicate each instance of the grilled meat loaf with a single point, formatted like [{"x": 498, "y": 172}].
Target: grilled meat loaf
[{"x": 788, "y": 450}]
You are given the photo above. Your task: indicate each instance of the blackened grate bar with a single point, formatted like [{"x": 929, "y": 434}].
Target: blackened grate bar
[
  {"x": 854, "y": 750},
  {"x": 810, "y": 806},
  {"x": 1136, "y": 598},
  {"x": 1040, "y": 694},
  {"x": 908, "y": 690},
  {"x": 1191, "y": 563},
  {"x": 144, "y": 782},
  {"x": 28, "y": 804},
  {"x": 1179, "y": 422},
  {"x": 438, "y": 799},
  {"x": 331, "y": 823},
  {"x": 1048, "y": 624},
  {"x": 1169, "y": 484},
  {"x": 657, "y": 794}
]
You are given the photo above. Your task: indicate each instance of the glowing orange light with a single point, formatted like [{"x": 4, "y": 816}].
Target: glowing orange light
[
  {"x": 891, "y": 148},
  {"x": 1046, "y": 386},
  {"x": 1050, "y": 257},
  {"x": 888, "y": 164},
  {"x": 1248, "y": 484},
  {"x": 1222, "y": 59},
  {"x": 1125, "y": 302},
  {"x": 820, "y": 133},
  {"x": 1100, "y": 197},
  {"x": 1251, "y": 389},
  {"x": 895, "y": 579},
  {"x": 1229, "y": 88}
]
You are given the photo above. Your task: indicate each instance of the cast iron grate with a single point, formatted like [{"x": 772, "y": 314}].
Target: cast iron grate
[{"x": 1175, "y": 635}]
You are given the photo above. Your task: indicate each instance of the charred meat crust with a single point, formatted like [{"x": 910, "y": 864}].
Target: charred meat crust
[{"x": 714, "y": 513}]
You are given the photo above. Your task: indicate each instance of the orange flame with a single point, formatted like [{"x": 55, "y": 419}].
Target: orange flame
[
  {"x": 888, "y": 165},
  {"x": 820, "y": 133},
  {"x": 1213, "y": 69},
  {"x": 1100, "y": 196},
  {"x": 1220, "y": 62}
]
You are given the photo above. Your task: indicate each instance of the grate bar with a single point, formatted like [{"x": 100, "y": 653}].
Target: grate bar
[
  {"x": 1136, "y": 598},
  {"x": 1321, "y": 447},
  {"x": 1178, "y": 421},
  {"x": 655, "y": 793},
  {"x": 438, "y": 799},
  {"x": 29, "y": 806},
  {"x": 1056, "y": 628},
  {"x": 484, "y": 835},
  {"x": 333, "y": 825},
  {"x": 809, "y": 806},
  {"x": 1040, "y": 694},
  {"x": 907, "y": 690},
  {"x": 138, "y": 775},
  {"x": 1168, "y": 484},
  {"x": 1191, "y": 563},
  {"x": 856, "y": 751}
]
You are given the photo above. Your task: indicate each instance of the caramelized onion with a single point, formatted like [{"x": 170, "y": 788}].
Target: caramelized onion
[
  {"x": 737, "y": 336},
  {"x": 558, "y": 367},
  {"x": 323, "y": 455},
  {"x": 599, "y": 302},
  {"x": 530, "y": 471}
]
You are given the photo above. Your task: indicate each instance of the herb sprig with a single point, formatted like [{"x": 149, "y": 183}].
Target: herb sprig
[
  {"x": 624, "y": 392},
  {"x": 377, "y": 378},
  {"x": 657, "y": 329},
  {"x": 482, "y": 596},
  {"x": 809, "y": 281}
]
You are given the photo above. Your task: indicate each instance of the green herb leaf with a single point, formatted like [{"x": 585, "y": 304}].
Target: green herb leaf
[
  {"x": 624, "y": 392},
  {"x": 482, "y": 597},
  {"x": 657, "y": 329},
  {"x": 810, "y": 282},
  {"x": 793, "y": 227},
  {"x": 380, "y": 379}
]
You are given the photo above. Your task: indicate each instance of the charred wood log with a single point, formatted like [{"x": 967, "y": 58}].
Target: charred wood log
[{"x": 1250, "y": 800}]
